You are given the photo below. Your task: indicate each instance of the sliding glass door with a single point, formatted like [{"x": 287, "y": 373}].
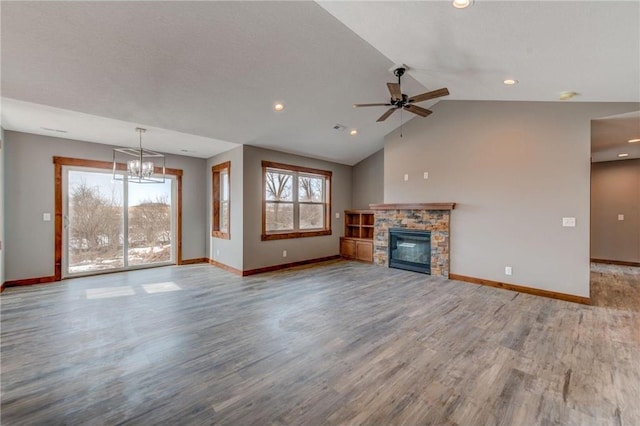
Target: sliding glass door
[{"x": 114, "y": 225}]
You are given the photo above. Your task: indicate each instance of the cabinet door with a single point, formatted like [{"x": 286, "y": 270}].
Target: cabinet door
[
  {"x": 347, "y": 248},
  {"x": 364, "y": 251}
]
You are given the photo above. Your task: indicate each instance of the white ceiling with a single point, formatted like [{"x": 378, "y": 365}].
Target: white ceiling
[{"x": 208, "y": 72}]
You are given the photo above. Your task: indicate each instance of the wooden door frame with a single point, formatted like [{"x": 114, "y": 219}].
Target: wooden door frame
[{"x": 58, "y": 162}]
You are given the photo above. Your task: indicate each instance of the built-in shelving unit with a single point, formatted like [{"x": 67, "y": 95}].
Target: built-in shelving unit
[{"x": 357, "y": 242}]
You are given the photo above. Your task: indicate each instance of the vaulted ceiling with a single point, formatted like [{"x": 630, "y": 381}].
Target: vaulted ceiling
[{"x": 203, "y": 76}]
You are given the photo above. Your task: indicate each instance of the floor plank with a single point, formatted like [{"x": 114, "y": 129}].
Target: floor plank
[{"x": 336, "y": 343}]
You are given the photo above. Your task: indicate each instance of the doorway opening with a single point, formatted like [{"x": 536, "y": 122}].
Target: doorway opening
[{"x": 615, "y": 211}]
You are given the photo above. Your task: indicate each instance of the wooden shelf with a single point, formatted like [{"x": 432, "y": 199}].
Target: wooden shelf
[
  {"x": 415, "y": 206},
  {"x": 357, "y": 242}
]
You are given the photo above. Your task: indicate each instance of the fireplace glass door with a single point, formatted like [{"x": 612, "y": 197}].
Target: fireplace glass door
[{"x": 410, "y": 249}]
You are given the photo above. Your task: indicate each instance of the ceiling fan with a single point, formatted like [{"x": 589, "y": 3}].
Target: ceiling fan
[{"x": 401, "y": 101}]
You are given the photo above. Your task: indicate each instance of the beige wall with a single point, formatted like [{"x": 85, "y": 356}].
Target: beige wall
[
  {"x": 228, "y": 252},
  {"x": 515, "y": 169},
  {"x": 30, "y": 193},
  {"x": 368, "y": 181},
  {"x": 615, "y": 190},
  {"x": 259, "y": 254}
]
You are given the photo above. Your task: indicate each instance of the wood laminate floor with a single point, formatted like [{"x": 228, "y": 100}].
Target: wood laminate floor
[{"x": 338, "y": 343}]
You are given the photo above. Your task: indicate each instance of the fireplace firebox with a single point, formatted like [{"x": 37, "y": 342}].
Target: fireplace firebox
[{"x": 410, "y": 249}]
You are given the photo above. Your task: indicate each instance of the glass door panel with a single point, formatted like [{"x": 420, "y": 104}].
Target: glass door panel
[
  {"x": 150, "y": 214},
  {"x": 93, "y": 222}
]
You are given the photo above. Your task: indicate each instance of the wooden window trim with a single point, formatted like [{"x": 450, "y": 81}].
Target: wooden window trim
[
  {"x": 296, "y": 234},
  {"x": 67, "y": 161},
  {"x": 215, "y": 212}
]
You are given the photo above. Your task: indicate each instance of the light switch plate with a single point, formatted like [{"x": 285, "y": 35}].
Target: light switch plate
[
  {"x": 569, "y": 222},
  {"x": 406, "y": 177},
  {"x": 46, "y": 217},
  {"x": 620, "y": 217},
  {"x": 337, "y": 215}
]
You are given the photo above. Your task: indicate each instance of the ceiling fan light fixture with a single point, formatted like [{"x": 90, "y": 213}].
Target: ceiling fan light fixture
[{"x": 462, "y": 4}]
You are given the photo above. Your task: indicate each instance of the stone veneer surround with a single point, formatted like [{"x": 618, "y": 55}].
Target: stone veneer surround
[{"x": 427, "y": 217}]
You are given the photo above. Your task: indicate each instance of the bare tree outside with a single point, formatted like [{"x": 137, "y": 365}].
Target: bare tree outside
[
  {"x": 95, "y": 226},
  {"x": 150, "y": 231},
  {"x": 294, "y": 200},
  {"x": 279, "y": 190},
  {"x": 310, "y": 192},
  {"x": 96, "y": 236}
]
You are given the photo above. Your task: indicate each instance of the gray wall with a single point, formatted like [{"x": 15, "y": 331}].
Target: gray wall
[
  {"x": 2, "y": 213},
  {"x": 30, "y": 193},
  {"x": 615, "y": 189},
  {"x": 515, "y": 169},
  {"x": 228, "y": 252},
  {"x": 368, "y": 181},
  {"x": 257, "y": 253}
]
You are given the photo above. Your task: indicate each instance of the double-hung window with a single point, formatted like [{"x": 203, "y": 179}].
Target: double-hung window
[{"x": 296, "y": 201}]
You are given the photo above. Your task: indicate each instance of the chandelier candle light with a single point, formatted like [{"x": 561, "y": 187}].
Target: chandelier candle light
[{"x": 141, "y": 169}]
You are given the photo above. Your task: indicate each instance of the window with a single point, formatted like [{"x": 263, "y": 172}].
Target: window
[
  {"x": 296, "y": 201},
  {"x": 221, "y": 200}
]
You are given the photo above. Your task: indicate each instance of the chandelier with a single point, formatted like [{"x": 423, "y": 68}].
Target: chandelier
[{"x": 141, "y": 168}]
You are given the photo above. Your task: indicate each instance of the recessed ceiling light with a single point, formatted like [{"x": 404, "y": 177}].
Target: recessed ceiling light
[
  {"x": 278, "y": 106},
  {"x": 623, "y": 155},
  {"x": 633, "y": 140},
  {"x": 461, "y": 4},
  {"x": 510, "y": 82},
  {"x": 565, "y": 96},
  {"x": 353, "y": 132}
]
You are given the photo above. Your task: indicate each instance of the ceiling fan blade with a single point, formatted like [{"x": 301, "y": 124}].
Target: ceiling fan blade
[
  {"x": 386, "y": 114},
  {"x": 422, "y": 112},
  {"x": 429, "y": 95},
  {"x": 394, "y": 89},
  {"x": 368, "y": 105}
]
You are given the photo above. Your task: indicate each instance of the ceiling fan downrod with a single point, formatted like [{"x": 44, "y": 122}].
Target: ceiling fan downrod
[{"x": 399, "y": 72}]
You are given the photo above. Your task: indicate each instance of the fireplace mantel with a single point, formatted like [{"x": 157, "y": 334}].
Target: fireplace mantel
[{"x": 413, "y": 206}]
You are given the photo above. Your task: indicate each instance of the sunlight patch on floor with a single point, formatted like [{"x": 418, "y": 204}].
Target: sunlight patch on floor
[
  {"x": 161, "y": 287},
  {"x": 107, "y": 292}
]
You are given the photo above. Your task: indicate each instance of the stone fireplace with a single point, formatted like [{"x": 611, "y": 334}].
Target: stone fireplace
[{"x": 433, "y": 217}]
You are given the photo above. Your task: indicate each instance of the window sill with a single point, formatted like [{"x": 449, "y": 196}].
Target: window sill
[{"x": 287, "y": 235}]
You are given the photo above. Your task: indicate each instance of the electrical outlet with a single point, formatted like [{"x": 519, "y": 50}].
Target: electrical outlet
[
  {"x": 508, "y": 270},
  {"x": 46, "y": 217},
  {"x": 284, "y": 253},
  {"x": 218, "y": 252},
  {"x": 620, "y": 217},
  {"x": 569, "y": 222},
  {"x": 426, "y": 175},
  {"x": 337, "y": 215}
]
